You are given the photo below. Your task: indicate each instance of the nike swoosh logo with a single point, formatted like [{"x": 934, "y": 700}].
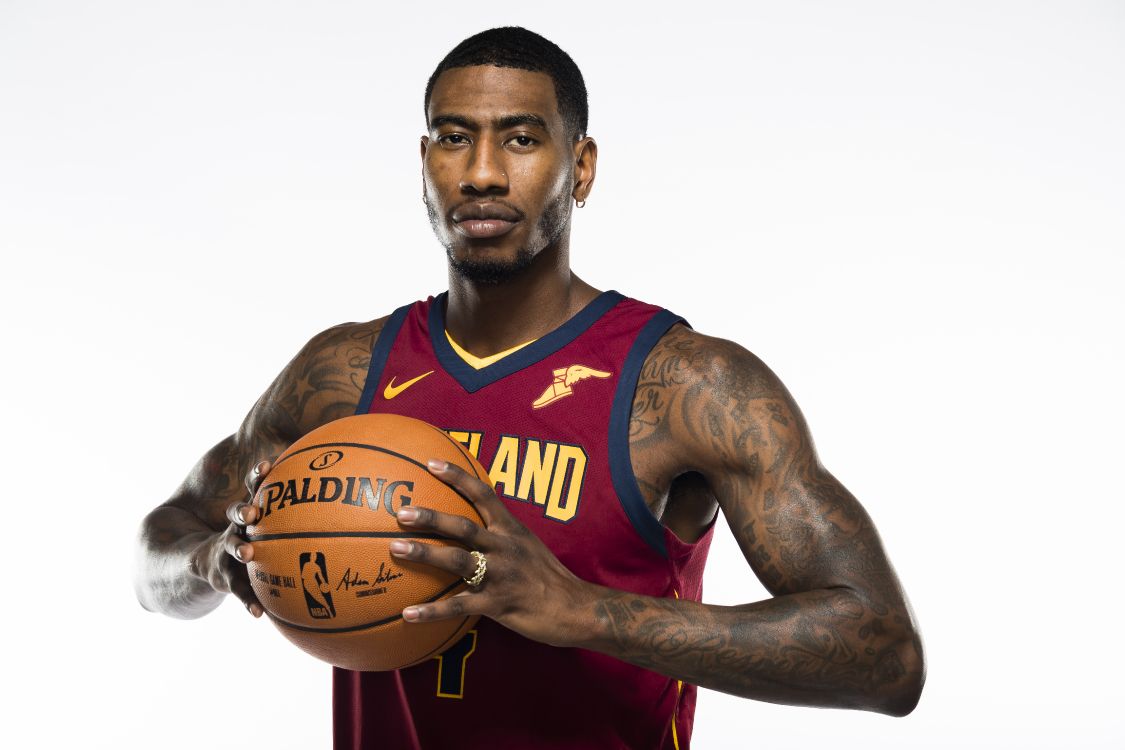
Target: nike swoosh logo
[{"x": 393, "y": 390}]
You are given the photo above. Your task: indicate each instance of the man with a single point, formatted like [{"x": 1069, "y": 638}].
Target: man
[{"x": 613, "y": 434}]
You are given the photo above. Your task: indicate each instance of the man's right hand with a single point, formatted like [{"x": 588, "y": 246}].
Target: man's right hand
[{"x": 221, "y": 560}]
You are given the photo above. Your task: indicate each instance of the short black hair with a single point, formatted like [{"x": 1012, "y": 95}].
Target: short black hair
[{"x": 516, "y": 47}]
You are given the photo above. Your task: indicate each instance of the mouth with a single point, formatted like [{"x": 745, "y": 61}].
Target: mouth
[{"x": 483, "y": 220}]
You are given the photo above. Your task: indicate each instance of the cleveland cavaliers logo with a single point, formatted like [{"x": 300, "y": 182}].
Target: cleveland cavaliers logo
[
  {"x": 563, "y": 385},
  {"x": 314, "y": 579}
]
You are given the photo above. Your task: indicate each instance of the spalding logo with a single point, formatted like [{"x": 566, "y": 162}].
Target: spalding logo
[
  {"x": 326, "y": 459},
  {"x": 361, "y": 491}
]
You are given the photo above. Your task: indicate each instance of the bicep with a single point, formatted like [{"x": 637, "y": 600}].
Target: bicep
[
  {"x": 799, "y": 528},
  {"x": 322, "y": 383}
]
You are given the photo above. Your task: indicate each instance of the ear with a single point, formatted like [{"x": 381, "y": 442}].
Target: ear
[
  {"x": 585, "y": 167},
  {"x": 425, "y": 145}
]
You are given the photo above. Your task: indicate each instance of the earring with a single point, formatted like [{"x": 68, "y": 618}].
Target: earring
[{"x": 579, "y": 204}]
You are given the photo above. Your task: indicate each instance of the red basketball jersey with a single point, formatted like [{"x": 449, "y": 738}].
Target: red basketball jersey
[{"x": 550, "y": 423}]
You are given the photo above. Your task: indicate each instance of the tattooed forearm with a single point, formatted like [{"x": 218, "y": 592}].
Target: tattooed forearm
[
  {"x": 323, "y": 382},
  {"x": 820, "y": 648},
  {"x": 839, "y": 631}
]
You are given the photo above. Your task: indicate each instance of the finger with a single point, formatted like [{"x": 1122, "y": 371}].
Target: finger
[
  {"x": 238, "y": 548},
  {"x": 241, "y": 588},
  {"x": 255, "y": 476},
  {"x": 453, "y": 527},
  {"x": 477, "y": 492},
  {"x": 242, "y": 514},
  {"x": 454, "y": 559},
  {"x": 462, "y": 605}
]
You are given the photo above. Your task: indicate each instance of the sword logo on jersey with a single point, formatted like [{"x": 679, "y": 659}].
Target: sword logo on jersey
[{"x": 563, "y": 385}]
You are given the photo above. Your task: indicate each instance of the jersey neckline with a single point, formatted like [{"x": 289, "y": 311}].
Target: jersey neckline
[{"x": 473, "y": 380}]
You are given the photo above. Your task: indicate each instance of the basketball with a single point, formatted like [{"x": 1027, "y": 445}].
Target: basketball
[{"x": 322, "y": 566}]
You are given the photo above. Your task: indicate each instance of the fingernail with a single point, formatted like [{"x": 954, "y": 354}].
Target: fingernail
[
  {"x": 407, "y": 515},
  {"x": 238, "y": 554},
  {"x": 436, "y": 465},
  {"x": 410, "y": 614},
  {"x": 255, "y": 609},
  {"x": 400, "y": 547}
]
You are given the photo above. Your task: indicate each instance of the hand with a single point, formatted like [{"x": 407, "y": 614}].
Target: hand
[
  {"x": 526, "y": 588},
  {"x": 221, "y": 560}
]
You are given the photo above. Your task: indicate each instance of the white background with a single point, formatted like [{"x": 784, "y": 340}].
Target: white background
[{"x": 912, "y": 211}]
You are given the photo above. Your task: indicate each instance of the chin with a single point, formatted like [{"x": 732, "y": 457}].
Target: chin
[{"x": 490, "y": 267}]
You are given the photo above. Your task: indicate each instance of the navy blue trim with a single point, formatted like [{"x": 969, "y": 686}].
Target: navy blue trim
[
  {"x": 379, "y": 354},
  {"x": 620, "y": 462},
  {"x": 473, "y": 380}
]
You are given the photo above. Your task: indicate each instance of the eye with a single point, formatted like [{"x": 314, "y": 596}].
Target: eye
[
  {"x": 451, "y": 140},
  {"x": 522, "y": 142}
]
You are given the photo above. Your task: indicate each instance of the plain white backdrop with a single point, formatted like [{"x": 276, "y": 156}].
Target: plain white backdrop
[{"x": 912, "y": 211}]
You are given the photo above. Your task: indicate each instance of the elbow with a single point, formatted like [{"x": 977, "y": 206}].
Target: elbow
[{"x": 904, "y": 671}]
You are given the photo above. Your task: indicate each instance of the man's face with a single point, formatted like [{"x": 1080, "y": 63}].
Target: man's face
[{"x": 497, "y": 168}]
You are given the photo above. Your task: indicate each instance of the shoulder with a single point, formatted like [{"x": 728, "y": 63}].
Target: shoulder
[
  {"x": 345, "y": 346},
  {"x": 686, "y": 360},
  {"x": 710, "y": 401}
]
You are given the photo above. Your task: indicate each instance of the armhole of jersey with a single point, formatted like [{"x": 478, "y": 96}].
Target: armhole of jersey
[
  {"x": 620, "y": 462},
  {"x": 379, "y": 354}
]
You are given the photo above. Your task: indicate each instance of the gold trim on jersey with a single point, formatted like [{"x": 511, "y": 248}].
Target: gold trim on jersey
[{"x": 479, "y": 363}]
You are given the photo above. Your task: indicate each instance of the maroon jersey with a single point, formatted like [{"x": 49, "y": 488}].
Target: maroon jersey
[{"x": 550, "y": 423}]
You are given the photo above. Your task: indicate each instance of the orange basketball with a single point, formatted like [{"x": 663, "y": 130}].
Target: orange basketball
[{"x": 322, "y": 566}]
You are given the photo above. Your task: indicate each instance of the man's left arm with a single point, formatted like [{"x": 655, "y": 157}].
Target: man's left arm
[{"x": 837, "y": 631}]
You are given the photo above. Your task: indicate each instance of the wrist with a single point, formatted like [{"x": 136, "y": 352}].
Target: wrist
[
  {"x": 577, "y": 618},
  {"x": 200, "y": 553}
]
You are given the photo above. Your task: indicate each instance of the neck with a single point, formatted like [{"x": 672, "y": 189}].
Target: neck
[{"x": 489, "y": 318}]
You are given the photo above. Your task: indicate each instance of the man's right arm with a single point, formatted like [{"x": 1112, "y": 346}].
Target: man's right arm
[{"x": 190, "y": 550}]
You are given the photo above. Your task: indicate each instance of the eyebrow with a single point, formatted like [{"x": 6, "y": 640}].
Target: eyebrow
[{"x": 501, "y": 123}]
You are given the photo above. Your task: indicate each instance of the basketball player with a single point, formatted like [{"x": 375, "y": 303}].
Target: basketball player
[{"x": 614, "y": 435}]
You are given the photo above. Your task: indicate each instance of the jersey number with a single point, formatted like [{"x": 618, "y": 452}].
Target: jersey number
[{"x": 451, "y": 666}]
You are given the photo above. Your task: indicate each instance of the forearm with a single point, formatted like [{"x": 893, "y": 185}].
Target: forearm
[
  {"x": 816, "y": 648},
  {"x": 166, "y": 577}
]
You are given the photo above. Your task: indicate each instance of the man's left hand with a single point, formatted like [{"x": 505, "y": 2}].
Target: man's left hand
[{"x": 525, "y": 588}]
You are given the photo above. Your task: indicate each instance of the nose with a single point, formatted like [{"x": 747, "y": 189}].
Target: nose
[{"x": 485, "y": 173}]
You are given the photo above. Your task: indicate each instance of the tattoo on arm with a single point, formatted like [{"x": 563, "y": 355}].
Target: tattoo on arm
[
  {"x": 838, "y": 631},
  {"x": 323, "y": 382}
]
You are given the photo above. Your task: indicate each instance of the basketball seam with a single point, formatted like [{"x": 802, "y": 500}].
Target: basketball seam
[
  {"x": 345, "y": 535},
  {"x": 456, "y": 634},
  {"x": 461, "y": 448},
  {"x": 367, "y": 446},
  {"x": 472, "y": 466}
]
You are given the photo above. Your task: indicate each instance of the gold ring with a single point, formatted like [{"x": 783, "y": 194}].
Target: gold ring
[{"x": 482, "y": 568}]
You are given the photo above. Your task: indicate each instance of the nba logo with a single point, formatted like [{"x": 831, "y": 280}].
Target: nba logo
[{"x": 314, "y": 580}]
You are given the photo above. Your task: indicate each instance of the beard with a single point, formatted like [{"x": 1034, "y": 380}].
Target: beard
[{"x": 552, "y": 223}]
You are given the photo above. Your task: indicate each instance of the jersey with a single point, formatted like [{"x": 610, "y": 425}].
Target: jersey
[{"x": 550, "y": 423}]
